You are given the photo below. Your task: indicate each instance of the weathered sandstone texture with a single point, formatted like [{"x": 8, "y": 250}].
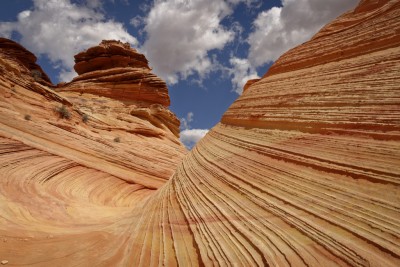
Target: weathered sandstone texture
[
  {"x": 147, "y": 131},
  {"x": 303, "y": 170},
  {"x": 27, "y": 60},
  {"x": 73, "y": 166},
  {"x": 115, "y": 70}
]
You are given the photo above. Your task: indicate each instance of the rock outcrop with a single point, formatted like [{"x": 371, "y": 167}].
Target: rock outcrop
[
  {"x": 27, "y": 68},
  {"x": 73, "y": 165},
  {"x": 303, "y": 169},
  {"x": 115, "y": 70},
  {"x": 146, "y": 129}
]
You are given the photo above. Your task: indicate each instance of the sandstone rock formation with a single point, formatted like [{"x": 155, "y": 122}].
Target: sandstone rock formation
[
  {"x": 303, "y": 170},
  {"x": 115, "y": 70},
  {"x": 74, "y": 165},
  {"x": 26, "y": 59},
  {"x": 249, "y": 83}
]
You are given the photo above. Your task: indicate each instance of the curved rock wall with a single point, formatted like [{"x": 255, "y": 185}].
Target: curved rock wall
[
  {"x": 303, "y": 170},
  {"x": 74, "y": 167}
]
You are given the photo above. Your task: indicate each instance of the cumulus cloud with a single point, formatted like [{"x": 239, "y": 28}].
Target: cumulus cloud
[
  {"x": 185, "y": 122},
  {"x": 137, "y": 21},
  {"x": 190, "y": 137},
  {"x": 94, "y": 3},
  {"x": 241, "y": 72},
  {"x": 6, "y": 29},
  {"x": 278, "y": 29},
  {"x": 66, "y": 75},
  {"x": 181, "y": 34},
  {"x": 59, "y": 29}
]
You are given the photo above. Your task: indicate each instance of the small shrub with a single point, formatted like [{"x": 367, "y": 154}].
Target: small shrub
[
  {"x": 27, "y": 117},
  {"x": 63, "y": 112},
  {"x": 13, "y": 88},
  {"x": 117, "y": 140},
  {"x": 36, "y": 74},
  {"x": 85, "y": 118}
]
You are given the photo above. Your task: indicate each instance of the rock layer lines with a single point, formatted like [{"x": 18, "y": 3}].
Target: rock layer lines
[
  {"x": 302, "y": 170},
  {"x": 115, "y": 70}
]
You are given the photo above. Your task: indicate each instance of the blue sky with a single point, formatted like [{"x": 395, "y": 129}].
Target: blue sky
[{"x": 204, "y": 49}]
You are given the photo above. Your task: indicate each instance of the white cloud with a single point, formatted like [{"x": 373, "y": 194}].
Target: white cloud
[
  {"x": 6, "y": 29},
  {"x": 279, "y": 29},
  {"x": 185, "y": 122},
  {"x": 137, "y": 21},
  {"x": 66, "y": 75},
  {"x": 190, "y": 137},
  {"x": 241, "y": 72},
  {"x": 94, "y": 3},
  {"x": 249, "y": 3},
  {"x": 190, "y": 116},
  {"x": 61, "y": 29},
  {"x": 180, "y": 35}
]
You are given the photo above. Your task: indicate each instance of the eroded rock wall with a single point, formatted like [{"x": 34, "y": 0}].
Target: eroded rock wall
[
  {"x": 74, "y": 166},
  {"x": 303, "y": 170}
]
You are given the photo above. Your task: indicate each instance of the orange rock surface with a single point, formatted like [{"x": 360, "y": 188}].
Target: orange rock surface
[
  {"x": 303, "y": 169},
  {"x": 73, "y": 166},
  {"x": 115, "y": 70}
]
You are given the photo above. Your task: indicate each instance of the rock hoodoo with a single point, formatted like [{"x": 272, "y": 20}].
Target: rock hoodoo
[
  {"x": 115, "y": 70},
  {"x": 107, "y": 55},
  {"x": 302, "y": 170}
]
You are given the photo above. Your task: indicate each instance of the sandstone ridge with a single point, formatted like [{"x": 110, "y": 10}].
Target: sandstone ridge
[{"x": 302, "y": 170}]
